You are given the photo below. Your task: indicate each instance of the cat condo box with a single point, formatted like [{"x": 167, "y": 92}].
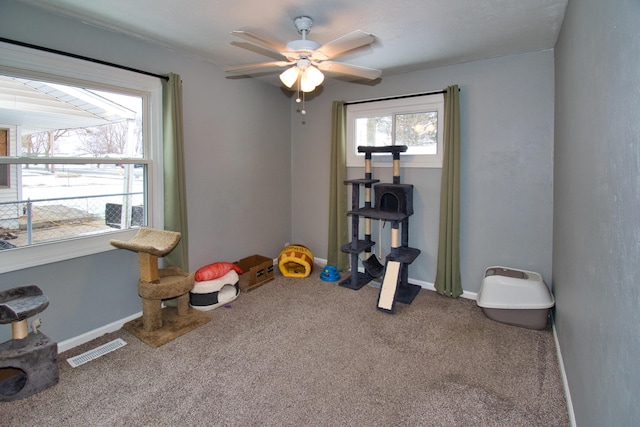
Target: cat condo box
[
  {"x": 257, "y": 270},
  {"x": 515, "y": 297}
]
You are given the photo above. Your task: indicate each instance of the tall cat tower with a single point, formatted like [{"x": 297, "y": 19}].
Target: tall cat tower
[{"x": 394, "y": 203}]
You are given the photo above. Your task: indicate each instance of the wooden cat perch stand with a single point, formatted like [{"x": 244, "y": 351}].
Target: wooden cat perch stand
[{"x": 156, "y": 284}]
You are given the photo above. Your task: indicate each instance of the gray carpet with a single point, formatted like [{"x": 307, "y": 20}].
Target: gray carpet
[{"x": 303, "y": 352}]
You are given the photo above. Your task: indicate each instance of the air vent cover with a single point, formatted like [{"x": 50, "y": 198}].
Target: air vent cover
[{"x": 90, "y": 355}]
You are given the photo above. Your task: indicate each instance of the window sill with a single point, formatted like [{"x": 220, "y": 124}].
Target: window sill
[
  {"x": 47, "y": 253},
  {"x": 406, "y": 161}
]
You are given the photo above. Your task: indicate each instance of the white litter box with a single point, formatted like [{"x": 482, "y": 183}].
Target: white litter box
[{"x": 515, "y": 297}]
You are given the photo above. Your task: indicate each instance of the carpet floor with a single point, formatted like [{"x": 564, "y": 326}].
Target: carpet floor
[{"x": 303, "y": 352}]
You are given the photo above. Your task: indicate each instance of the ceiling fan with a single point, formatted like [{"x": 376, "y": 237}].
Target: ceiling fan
[{"x": 308, "y": 58}]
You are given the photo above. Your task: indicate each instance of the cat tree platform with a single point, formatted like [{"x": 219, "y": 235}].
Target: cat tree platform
[
  {"x": 157, "y": 325},
  {"x": 29, "y": 361}
]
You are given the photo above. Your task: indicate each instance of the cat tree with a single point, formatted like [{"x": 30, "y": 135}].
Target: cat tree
[
  {"x": 156, "y": 285},
  {"x": 29, "y": 361},
  {"x": 393, "y": 203}
]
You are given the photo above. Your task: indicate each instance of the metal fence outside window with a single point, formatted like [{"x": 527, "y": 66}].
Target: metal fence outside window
[{"x": 28, "y": 222}]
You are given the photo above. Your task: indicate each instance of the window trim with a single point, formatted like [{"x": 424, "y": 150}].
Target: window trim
[
  {"x": 37, "y": 64},
  {"x": 425, "y": 103}
]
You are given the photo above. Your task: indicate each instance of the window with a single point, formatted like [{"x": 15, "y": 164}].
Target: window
[
  {"x": 79, "y": 156},
  {"x": 410, "y": 121}
]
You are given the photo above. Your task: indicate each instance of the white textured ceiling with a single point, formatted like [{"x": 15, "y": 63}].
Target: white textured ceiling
[{"x": 410, "y": 34}]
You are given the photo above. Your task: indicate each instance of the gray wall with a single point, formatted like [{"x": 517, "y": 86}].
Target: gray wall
[
  {"x": 237, "y": 150},
  {"x": 507, "y": 165},
  {"x": 596, "y": 209}
]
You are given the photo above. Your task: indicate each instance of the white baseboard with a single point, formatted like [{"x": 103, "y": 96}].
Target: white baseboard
[
  {"x": 431, "y": 287},
  {"x": 88, "y": 336},
  {"x": 563, "y": 373}
]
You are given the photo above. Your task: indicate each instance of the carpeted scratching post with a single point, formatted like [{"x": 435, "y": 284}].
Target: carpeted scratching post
[
  {"x": 157, "y": 325},
  {"x": 29, "y": 361}
]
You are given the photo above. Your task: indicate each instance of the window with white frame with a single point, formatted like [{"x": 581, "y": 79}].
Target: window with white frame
[
  {"x": 79, "y": 157},
  {"x": 413, "y": 121}
]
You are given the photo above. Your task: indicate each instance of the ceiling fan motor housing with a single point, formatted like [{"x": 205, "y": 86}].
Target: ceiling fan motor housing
[
  {"x": 303, "y": 24},
  {"x": 303, "y": 48},
  {"x": 303, "y": 45}
]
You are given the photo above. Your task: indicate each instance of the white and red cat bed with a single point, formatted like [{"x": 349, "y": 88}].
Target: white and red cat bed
[{"x": 215, "y": 285}]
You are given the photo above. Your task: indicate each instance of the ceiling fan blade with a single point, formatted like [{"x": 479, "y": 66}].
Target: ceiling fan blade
[
  {"x": 272, "y": 45},
  {"x": 257, "y": 66},
  {"x": 352, "y": 70},
  {"x": 346, "y": 43}
]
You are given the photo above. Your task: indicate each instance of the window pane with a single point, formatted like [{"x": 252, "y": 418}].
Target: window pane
[
  {"x": 65, "y": 201},
  {"x": 57, "y": 120},
  {"x": 58, "y": 196},
  {"x": 418, "y": 131},
  {"x": 411, "y": 121},
  {"x": 373, "y": 131}
]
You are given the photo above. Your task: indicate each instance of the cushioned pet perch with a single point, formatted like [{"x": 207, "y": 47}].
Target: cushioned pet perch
[
  {"x": 209, "y": 294},
  {"x": 295, "y": 261}
]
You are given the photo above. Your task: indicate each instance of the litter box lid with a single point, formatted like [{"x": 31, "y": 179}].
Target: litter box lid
[{"x": 504, "y": 292}]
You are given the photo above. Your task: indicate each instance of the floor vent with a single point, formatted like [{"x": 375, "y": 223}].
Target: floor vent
[{"x": 90, "y": 355}]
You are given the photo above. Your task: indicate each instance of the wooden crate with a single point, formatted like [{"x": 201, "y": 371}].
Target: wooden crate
[{"x": 257, "y": 270}]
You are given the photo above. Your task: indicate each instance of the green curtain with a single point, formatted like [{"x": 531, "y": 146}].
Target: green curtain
[
  {"x": 175, "y": 196},
  {"x": 338, "y": 232},
  {"x": 448, "y": 281}
]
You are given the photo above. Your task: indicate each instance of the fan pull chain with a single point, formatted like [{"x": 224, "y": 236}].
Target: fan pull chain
[{"x": 298, "y": 100}]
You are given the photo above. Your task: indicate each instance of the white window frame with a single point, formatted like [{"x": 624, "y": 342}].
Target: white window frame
[
  {"x": 16, "y": 60},
  {"x": 405, "y": 105}
]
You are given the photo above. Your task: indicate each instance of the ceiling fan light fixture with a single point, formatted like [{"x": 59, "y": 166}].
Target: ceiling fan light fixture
[
  {"x": 310, "y": 78},
  {"x": 314, "y": 75},
  {"x": 305, "y": 84},
  {"x": 289, "y": 76}
]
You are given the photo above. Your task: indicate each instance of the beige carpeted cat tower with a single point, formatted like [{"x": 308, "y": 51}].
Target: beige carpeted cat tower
[
  {"x": 159, "y": 325},
  {"x": 29, "y": 361}
]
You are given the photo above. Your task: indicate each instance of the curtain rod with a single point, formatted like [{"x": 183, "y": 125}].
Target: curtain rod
[
  {"x": 85, "y": 58},
  {"x": 397, "y": 97}
]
